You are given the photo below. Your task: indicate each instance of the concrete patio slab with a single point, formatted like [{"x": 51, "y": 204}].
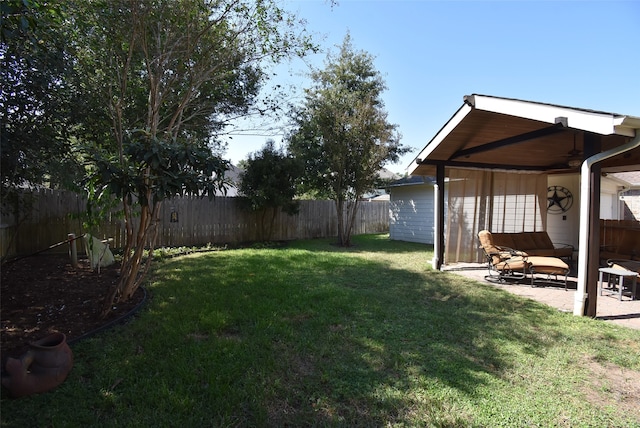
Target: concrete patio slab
[{"x": 609, "y": 308}]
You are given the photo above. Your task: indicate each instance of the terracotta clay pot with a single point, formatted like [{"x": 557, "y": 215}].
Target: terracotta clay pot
[{"x": 44, "y": 366}]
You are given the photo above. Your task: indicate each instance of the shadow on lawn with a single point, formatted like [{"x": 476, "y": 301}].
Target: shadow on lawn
[
  {"x": 360, "y": 342},
  {"x": 298, "y": 338},
  {"x": 370, "y": 243}
]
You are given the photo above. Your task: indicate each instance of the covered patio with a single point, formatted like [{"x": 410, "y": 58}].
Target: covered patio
[{"x": 517, "y": 141}]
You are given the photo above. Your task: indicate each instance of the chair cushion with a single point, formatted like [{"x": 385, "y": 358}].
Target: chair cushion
[
  {"x": 633, "y": 266},
  {"x": 486, "y": 241},
  {"x": 549, "y": 265}
]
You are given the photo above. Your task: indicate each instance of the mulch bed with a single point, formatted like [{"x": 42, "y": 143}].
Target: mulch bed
[{"x": 43, "y": 294}]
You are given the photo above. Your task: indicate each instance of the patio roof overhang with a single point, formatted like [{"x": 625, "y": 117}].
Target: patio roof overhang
[{"x": 500, "y": 133}]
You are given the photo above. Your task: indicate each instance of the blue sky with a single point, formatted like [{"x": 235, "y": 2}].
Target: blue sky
[{"x": 431, "y": 53}]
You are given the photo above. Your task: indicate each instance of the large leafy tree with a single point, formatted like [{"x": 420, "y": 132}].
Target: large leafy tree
[
  {"x": 268, "y": 182},
  {"x": 342, "y": 135},
  {"x": 36, "y": 98},
  {"x": 162, "y": 78},
  {"x": 36, "y": 105}
]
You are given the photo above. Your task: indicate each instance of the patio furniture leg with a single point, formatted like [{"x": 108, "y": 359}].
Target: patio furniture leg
[
  {"x": 549, "y": 266},
  {"x": 617, "y": 278}
]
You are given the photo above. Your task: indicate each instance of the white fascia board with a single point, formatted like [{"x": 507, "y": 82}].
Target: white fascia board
[
  {"x": 441, "y": 135},
  {"x": 628, "y": 124},
  {"x": 591, "y": 121}
]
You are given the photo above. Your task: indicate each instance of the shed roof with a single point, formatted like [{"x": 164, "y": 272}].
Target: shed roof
[{"x": 413, "y": 180}]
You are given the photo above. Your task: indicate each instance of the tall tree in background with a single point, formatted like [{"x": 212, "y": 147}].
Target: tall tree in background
[
  {"x": 36, "y": 99},
  {"x": 162, "y": 78},
  {"x": 268, "y": 183},
  {"x": 342, "y": 135},
  {"x": 37, "y": 104}
]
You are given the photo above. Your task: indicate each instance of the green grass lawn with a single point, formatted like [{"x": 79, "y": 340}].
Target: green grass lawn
[{"x": 316, "y": 335}]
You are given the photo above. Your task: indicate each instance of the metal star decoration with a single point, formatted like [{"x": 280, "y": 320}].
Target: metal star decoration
[{"x": 560, "y": 200}]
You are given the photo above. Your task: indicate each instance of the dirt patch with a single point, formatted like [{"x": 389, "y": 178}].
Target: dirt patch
[
  {"x": 42, "y": 294},
  {"x": 614, "y": 386}
]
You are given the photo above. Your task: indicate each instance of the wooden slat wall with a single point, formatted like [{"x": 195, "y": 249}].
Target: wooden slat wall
[
  {"x": 51, "y": 215},
  {"x": 611, "y": 231},
  {"x": 199, "y": 222}
]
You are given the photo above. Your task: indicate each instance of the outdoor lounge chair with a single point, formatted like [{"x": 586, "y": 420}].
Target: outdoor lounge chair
[
  {"x": 550, "y": 267},
  {"x": 510, "y": 263},
  {"x": 503, "y": 262}
]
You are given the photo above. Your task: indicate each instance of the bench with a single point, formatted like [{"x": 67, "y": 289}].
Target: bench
[{"x": 533, "y": 243}]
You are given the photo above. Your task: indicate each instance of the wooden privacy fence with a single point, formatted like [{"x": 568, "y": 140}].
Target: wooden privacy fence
[
  {"x": 612, "y": 231},
  {"x": 187, "y": 221}
]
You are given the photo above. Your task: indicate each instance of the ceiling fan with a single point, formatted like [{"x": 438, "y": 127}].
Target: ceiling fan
[{"x": 574, "y": 158}]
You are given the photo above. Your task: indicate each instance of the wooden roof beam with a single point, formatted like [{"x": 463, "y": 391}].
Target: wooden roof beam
[
  {"x": 477, "y": 165},
  {"x": 539, "y": 133}
]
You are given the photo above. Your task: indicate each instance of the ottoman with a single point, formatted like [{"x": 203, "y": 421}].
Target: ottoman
[{"x": 548, "y": 266}]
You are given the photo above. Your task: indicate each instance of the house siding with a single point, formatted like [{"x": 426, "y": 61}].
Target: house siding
[
  {"x": 411, "y": 213},
  {"x": 564, "y": 228}
]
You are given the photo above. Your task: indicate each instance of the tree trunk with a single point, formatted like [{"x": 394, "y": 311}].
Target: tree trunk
[
  {"x": 341, "y": 230},
  {"x": 352, "y": 210},
  {"x": 133, "y": 271}
]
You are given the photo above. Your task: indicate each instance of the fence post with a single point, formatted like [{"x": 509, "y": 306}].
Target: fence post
[{"x": 73, "y": 250}]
